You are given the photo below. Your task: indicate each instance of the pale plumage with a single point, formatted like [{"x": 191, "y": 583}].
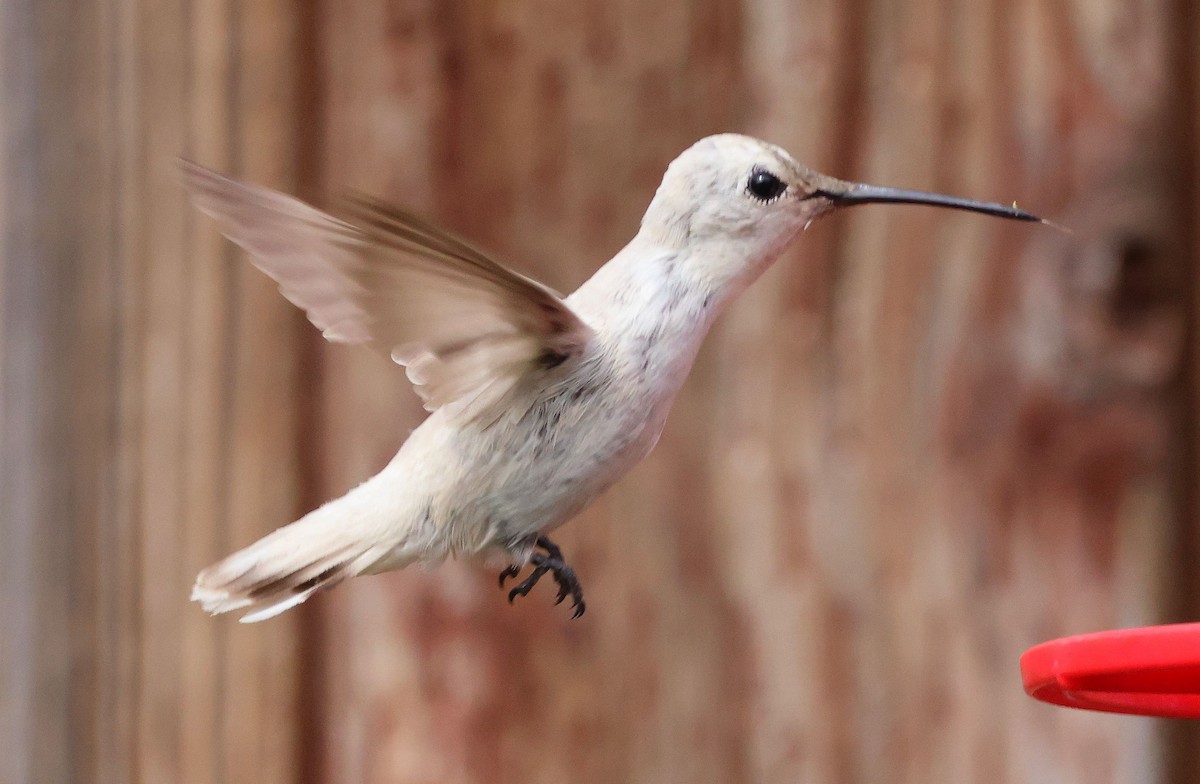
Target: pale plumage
[
  {"x": 539, "y": 403},
  {"x": 466, "y": 328}
]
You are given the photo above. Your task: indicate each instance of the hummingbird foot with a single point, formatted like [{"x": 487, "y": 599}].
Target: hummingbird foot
[
  {"x": 509, "y": 571},
  {"x": 551, "y": 561}
]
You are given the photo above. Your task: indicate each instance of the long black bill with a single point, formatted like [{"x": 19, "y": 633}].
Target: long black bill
[{"x": 855, "y": 193}]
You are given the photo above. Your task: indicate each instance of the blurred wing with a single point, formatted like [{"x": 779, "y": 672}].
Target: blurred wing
[{"x": 466, "y": 328}]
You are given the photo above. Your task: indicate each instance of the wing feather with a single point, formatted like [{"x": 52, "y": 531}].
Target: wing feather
[{"x": 466, "y": 328}]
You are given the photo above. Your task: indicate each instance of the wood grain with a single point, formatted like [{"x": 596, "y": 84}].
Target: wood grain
[
  {"x": 149, "y": 407},
  {"x": 921, "y": 443},
  {"x": 910, "y": 452}
]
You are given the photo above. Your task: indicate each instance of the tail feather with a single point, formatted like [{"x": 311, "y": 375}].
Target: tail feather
[{"x": 286, "y": 567}]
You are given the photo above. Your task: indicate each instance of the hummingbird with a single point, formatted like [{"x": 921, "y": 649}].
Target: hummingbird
[{"x": 538, "y": 402}]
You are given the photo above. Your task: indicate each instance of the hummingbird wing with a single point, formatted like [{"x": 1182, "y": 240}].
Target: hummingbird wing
[{"x": 466, "y": 328}]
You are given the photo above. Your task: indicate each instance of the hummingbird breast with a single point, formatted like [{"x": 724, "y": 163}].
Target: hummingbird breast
[
  {"x": 569, "y": 444},
  {"x": 571, "y": 432},
  {"x": 539, "y": 464}
]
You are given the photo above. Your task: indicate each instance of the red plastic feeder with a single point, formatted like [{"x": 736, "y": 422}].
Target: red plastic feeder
[{"x": 1151, "y": 671}]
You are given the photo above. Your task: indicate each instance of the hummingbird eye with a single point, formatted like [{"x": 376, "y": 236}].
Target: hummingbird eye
[{"x": 765, "y": 186}]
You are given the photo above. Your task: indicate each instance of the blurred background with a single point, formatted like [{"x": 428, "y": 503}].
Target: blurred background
[{"x": 923, "y": 442}]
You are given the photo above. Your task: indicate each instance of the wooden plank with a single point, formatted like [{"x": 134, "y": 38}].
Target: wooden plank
[
  {"x": 1181, "y": 740},
  {"x": 145, "y": 423},
  {"x": 33, "y": 715}
]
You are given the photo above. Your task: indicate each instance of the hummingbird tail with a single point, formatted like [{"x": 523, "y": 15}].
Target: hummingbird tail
[{"x": 286, "y": 567}]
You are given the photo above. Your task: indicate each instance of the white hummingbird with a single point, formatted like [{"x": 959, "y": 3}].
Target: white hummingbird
[{"x": 539, "y": 403}]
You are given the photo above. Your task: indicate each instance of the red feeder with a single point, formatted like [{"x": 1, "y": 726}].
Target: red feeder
[{"x": 1151, "y": 671}]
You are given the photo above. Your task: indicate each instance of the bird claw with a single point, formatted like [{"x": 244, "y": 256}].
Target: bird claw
[
  {"x": 552, "y": 561},
  {"x": 525, "y": 586},
  {"x": 568, "y": 585},
  {"x": 509, "y": 571}
]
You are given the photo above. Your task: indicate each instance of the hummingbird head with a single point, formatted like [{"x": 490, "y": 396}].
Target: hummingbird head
[{"x": 742, "y": 200}]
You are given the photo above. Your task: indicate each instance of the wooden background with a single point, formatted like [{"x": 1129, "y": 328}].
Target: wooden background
[{"x": 922, "y": 443}]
